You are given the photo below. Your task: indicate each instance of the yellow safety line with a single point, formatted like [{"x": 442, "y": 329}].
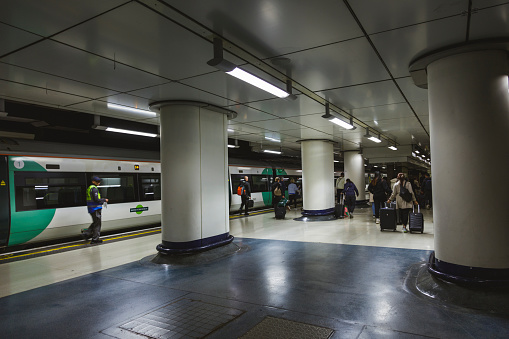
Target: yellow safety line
[
  {"x": 5, "y": 257},
  {"x": 251, "y": 213}
]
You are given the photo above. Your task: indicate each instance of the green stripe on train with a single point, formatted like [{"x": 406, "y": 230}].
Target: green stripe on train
[{"x": 28, "y": 224}]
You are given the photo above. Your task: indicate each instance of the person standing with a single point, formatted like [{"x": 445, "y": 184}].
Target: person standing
[
  {"x": 246, "y": 196},
  {"x": 292, "y": 193},
  {"x": 277, "y": 192},
  {"x": 94, "y": 206},
  {"x": 402, "y": 205},
  {"x": 380, "y": 189},
  {"x": 350, "y": 191},
  {"x": 426, "y": 189},
  {"x": 340, "y": 186}
]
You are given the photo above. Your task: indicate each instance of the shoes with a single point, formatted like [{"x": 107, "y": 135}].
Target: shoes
[
  {"x": 84, "y": 235},
  {"x": 98, "y": 241},
  {"x": 405, "y": 230},
  {"x": 377, "y": 221},
  {"x": 351, "y": 215}
]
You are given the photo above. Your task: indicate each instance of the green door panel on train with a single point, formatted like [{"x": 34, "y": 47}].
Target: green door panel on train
[{"x": 28, "y": 224}]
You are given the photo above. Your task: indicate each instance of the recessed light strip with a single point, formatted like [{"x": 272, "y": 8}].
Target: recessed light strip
[
  {"x": 130, "y": 109},
  {"x": 125, "y": 131}
]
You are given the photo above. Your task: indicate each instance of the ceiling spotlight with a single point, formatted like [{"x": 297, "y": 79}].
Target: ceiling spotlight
[{"x": 232, "y": 69}]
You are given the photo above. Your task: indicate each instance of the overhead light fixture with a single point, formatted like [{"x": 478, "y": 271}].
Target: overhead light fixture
[
  {"x": 337, "y": 121},
  {"x": 273, "y": 152},
  {"x": 233, "y": 146},
  {"x": 393, "y": 147},
  {"x": 229, "y": 130},
  {"x": 417, "y": 151},
  {"x": 130, "y": 109},
  {"x": 272, "y": 139},
  {"x": 124, "y": 131},
  {"x": 372, "y": 138},
  {"x": 336, "y": 160},
  {"x": 232, "y": 69}
]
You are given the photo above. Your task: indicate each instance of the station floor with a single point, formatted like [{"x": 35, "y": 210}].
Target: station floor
[{"x": 285, "y": 279}]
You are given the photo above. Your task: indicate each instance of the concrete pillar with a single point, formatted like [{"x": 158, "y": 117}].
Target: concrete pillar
[
  {"x": 194, "y": 167},
  {"x": 469, "y": 129},
  {"x": 354, "y": 170},
  {"x": 317, "y": 178}
]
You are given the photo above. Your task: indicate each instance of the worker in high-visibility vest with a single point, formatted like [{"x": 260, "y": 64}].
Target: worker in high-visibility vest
[{"x": 94, "y": 205}]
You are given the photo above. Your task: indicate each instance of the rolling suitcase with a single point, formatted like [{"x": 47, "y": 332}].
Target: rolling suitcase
[
  {"x": 387, "y": 218},
  {"x": 416, "y": 220},
  {"x": 339, "y": 209},
  {"x": 280, "y": 209}
]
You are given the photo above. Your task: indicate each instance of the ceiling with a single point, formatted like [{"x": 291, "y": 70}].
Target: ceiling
[{"x": 81, "y": 55}]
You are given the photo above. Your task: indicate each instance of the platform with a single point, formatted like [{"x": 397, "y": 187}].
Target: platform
[{"x": 337, "y": 279}]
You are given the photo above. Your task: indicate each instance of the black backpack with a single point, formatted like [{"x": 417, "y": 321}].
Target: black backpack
[{"x": 404, "y": 193}]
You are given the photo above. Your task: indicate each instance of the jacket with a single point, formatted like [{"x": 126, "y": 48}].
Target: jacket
[
  {"x": 379, "y": 190},
  {"x": 94, "y": 201},
  {"x": 350, "y": 189},
  {"x": 400, "y": 203},
  {"x": 247, "y": 189},
  {"x": 340, "y": 183}
]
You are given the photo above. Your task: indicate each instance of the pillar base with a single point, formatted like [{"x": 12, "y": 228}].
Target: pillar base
[
  {"x": 194, "y": 246},
  {"x": 468, "y": 276},
  {"x": 316, "y": 218}
]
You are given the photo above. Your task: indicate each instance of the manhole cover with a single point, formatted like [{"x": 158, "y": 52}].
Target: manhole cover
[{"x": 281, "y": 328}]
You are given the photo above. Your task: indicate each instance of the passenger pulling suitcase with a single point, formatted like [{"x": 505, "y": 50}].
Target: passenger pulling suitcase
[
  {"x": 416, "y": 220},
  {"x": 387, "y": 218}
]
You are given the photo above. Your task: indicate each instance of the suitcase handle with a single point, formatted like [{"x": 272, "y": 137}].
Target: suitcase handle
[{"x": 418, "y": 208}]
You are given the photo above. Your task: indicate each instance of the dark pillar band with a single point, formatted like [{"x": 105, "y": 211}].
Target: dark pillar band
[
  {"x": 199, "y": 245},
  {"x": 308, "y": 213}
]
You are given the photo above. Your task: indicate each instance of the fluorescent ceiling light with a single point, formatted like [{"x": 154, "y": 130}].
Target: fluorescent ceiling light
[
  {"x": 394, "y": 148},
  {"x": 230, "y": 130},
  {"x": 269, "y": 151},
  {"x": 239, "y": 73},
  {"x": 336, "y": 160},
  {"x": 416, "y": 151},
  {"x": 413, "y": 154},
  {"x": 341, "y": 123},
  {"x": 272, "y": 139},
  {"x": 130, "y": 109},
  {"x": 233, "y": 146},
  {"x": 125, "y": 131},
  {"x": 375, "y": 139}
]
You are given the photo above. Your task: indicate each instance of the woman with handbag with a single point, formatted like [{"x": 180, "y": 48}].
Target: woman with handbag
[{"x": 404, "y": 196}]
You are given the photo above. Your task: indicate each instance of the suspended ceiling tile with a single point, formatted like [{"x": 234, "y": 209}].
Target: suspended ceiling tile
[
  {"x": 158, "y": 46},
  {"x": 44, "y": 80},
  {"x": 342, "y": 64},
  {"x": 490, "y": 22},
  {"x": 307, "y": 133},
  {"x": 285, "y": 108},
  {"x": 378, "y": 16},
  {"x": 64, "y": 61},
  {"x": 399, "y": 47},
  {"x": 411, "y": 91},
  {"x": 243, "y": 129},
  {"x": 373, "y": 94},
  {"x": 276, "y": 125},
  {"x": 24, "y": 93},
  {"x": 12, "y": 38},
  {"x": 391, "y": 125},
  {"x": 178, "y": 91},
  {"x": 246, "y": 114},
  {"x": 421, "y": 108},
  {"x": 49, "y": 17},
  {"x": 271, "y": 28},
  {"x": 311, "y": 120},
  {"x": 382, "y": 112}
]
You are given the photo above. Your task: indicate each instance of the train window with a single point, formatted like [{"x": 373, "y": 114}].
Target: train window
[
  {"x": 150, "y": 186},
  {"x": 116, "y": 187},
  {"x": 259, "y": 183},
  {"x": 42, "y": 190}
]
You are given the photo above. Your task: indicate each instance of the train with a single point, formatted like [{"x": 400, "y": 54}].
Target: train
[{"x": 43, "y": 196}]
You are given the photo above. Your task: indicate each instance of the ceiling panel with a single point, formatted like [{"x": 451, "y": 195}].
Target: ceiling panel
[
  {"x": 411, "y": 91},
  {"x": 374, "y": 94},
  {"x": 422, "y": 109},
  {"x": 158, "y": 45},
  {"x": 246, "y": 114},
  {"x": 45, "y": 80},
  {"x": 285, "y": 108},
  {"x": 342, "y": 64},
  {"x": 276, "y": 125},
  {"x": 25, "y": 93},
  {"x": 240, "y": 129},
  {"x": 491, "y": 22},
  {"x": 270, "y": 28},
  {"x": 378, "y": 16},
  {"x": 12, "y": 38},
  {"x": 374, "y": 114},
  {"x": 70, "y": 63},
  {"x": 46, "y": 17},
  {"x": 399, "y": 47}
]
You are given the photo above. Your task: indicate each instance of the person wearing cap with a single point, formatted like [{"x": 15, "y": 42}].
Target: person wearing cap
[{"x": 94, "y": 205}]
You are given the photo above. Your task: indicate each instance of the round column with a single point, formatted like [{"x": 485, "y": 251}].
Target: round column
[
  {"x": 318, "y": 178},
  {"x": 354, "y": 170},
  {"x": 469, "y": 129},
  {"x": 194, "y": 167}
]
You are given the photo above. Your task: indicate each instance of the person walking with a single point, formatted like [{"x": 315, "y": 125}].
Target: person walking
[
  {"x": 404, "y": 196},
  {"x": 94, "y": 206},
  {"x": 340, "y": 186},
  {"x": 277, "y": 192},
  {"x": 246, "y": 196},
  {"x": 292, "y": 193},
  {"x": 380, "y": 189},
  {"x": 350, "y": 191},
  {"x": 426, "y": 189}
]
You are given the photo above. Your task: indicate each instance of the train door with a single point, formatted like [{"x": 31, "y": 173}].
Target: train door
[{"x": 5, "y": 220}]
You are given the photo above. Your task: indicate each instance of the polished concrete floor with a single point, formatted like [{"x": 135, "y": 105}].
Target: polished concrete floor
[{"x": 343, "y": 277}]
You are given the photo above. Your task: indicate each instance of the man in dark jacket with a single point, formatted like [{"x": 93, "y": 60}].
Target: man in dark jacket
[
  {"x": 246, "y": 195},
  {"x": 94, "y": 206},
  {"x": 426, "y": 189},
  {"x": 350, "y": 191}
]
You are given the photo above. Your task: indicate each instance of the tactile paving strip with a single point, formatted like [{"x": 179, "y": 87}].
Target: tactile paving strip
[
  {"x": 184, "y": 318},
  {"x": 271, "y": 327}
]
